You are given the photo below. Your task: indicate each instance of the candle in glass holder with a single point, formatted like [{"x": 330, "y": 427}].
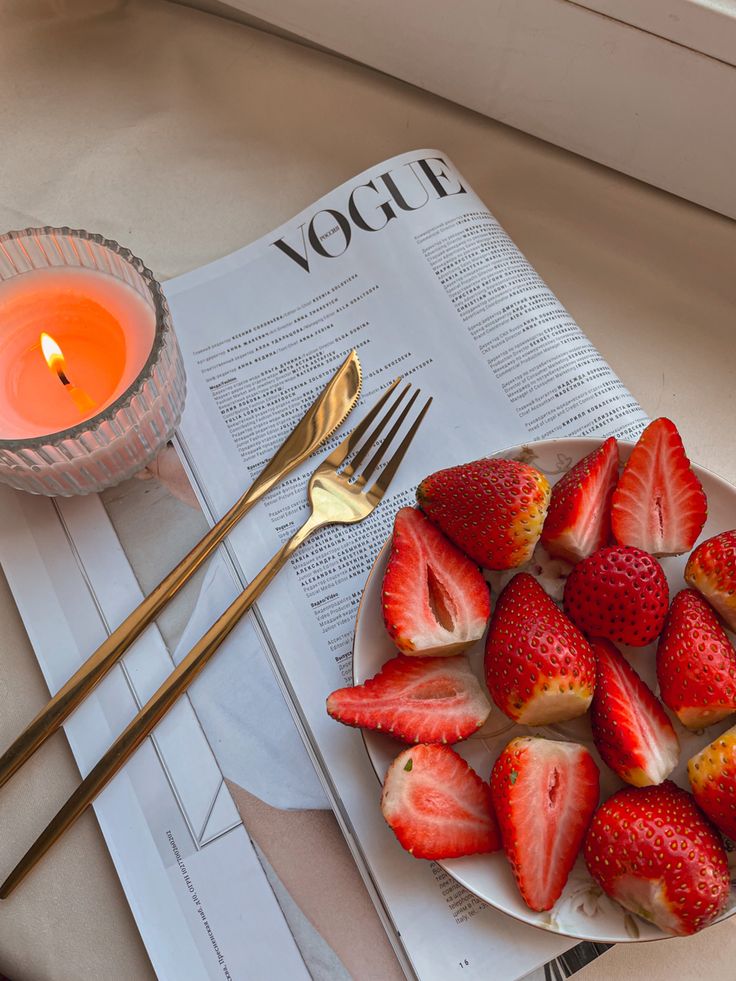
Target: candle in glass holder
[{"x": 91, "y": 378}]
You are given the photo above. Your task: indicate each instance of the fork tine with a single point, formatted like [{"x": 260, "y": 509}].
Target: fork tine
[
  {"x": 378, "y": 455},
  {"x": 380, "y": 487},
  {"x": 353, "y": 438},
  {"x": 370, "y": 441}
]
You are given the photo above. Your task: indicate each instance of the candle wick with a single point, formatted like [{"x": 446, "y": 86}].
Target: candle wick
[{"x": 80, "y": 398}]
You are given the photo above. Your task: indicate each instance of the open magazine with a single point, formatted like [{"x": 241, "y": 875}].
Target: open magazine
[{"x": 405, "y": 264}]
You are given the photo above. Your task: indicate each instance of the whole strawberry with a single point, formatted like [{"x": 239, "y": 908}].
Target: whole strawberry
[
  {"x": 712, "y": 774},
  {"x": 434, "y": 599},
  {"x": 711, "y": 569},
  {"x": 539, "y": 667},
  {"x": 437, "y": 805},
  {"x": 659, "y": 504},
  {"x": 492, "y": 509},
  {"x": 578, "y": 521},
  {"x": 631, "y": 730},
  {"x": 655, "y": 853},
  {"x": 619, "y": 593},
  {"x": 696, "y": 664},
  {"x": 544, "y": 794}
]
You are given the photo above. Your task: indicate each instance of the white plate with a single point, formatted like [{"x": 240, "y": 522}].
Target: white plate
[{"x": 582, "y": 911}]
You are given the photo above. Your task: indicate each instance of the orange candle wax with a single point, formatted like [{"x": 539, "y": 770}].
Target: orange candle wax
[{"x": 104, "y": 330}]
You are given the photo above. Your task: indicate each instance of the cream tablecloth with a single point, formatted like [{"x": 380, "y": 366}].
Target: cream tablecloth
[{"x": 185, "y": 136}]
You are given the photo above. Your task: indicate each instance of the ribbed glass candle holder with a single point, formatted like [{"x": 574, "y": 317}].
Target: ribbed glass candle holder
[{"x": 126, "y": 435}]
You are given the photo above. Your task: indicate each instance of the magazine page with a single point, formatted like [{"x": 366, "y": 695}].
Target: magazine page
[
  {"x": 405, "y": 264},
  {"x": 200, "y": 897}
]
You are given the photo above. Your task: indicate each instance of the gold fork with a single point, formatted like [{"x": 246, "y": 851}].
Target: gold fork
[{"x": 338, "y": 493}]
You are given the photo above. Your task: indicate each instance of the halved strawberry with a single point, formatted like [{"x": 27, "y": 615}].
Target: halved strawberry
[
  {"x": 696, "y": 664},
  {"x": 631, "y": 730},
  {"x": 434, "y": 599},
  {"x": 544, "y": 793},
  {"x": 619, "y": 593},
  {"x": 437, "y": 805},
  {"x": 711, "y": 569},
  {"x": 712, "y": 774},
  {"x": 417, "y": 700},
  {"x": 659, "y": 504},
  {"x": 578, "y": 521},
  {"x": 653, "y": 851},
  {"x": 539, "y": 667},
  {"x": 492, "y": 509}
]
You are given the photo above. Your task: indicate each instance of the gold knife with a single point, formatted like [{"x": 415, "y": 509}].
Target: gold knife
[{"x": 328, "y": 411}]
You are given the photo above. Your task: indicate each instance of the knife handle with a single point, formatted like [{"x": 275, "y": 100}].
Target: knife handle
[{"x": 98, "y": 664}]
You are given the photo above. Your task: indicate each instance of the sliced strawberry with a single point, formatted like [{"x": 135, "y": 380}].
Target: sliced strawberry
[
  {"x": 696, "y": 663},
  {"x": 544, "y": 793},
  {"x": 711, "y": 569},
  {"x": 437, "y": 805},
  {"x": 539, "y": 667},
  {"x": 578, "y": 521},
  {"x": 492, "y": 509},
  {"x": 619, "y": 593},
  {"x": 712, "y": 774},
  {"x": 653, "y": 851},
  {"x": 631, "y": 730},
  {"x": 435, "y": 600},
  {"x": 417, "y": 700},
  {"x": 659, "y": 504}
]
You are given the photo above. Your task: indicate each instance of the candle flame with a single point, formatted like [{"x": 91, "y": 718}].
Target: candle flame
[
  {"x": 52, "y": 353},
  {"x": 56, "y": 362}
]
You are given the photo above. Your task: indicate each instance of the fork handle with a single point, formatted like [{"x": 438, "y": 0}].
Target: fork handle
[
  {"x": 99, "y": 663},
  {"x": 154, "y": 710}
]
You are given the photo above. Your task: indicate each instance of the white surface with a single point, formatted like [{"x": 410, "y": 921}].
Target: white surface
[
  {"x": 621, "y": 96},
  {"x": 705, "y": 26}
]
